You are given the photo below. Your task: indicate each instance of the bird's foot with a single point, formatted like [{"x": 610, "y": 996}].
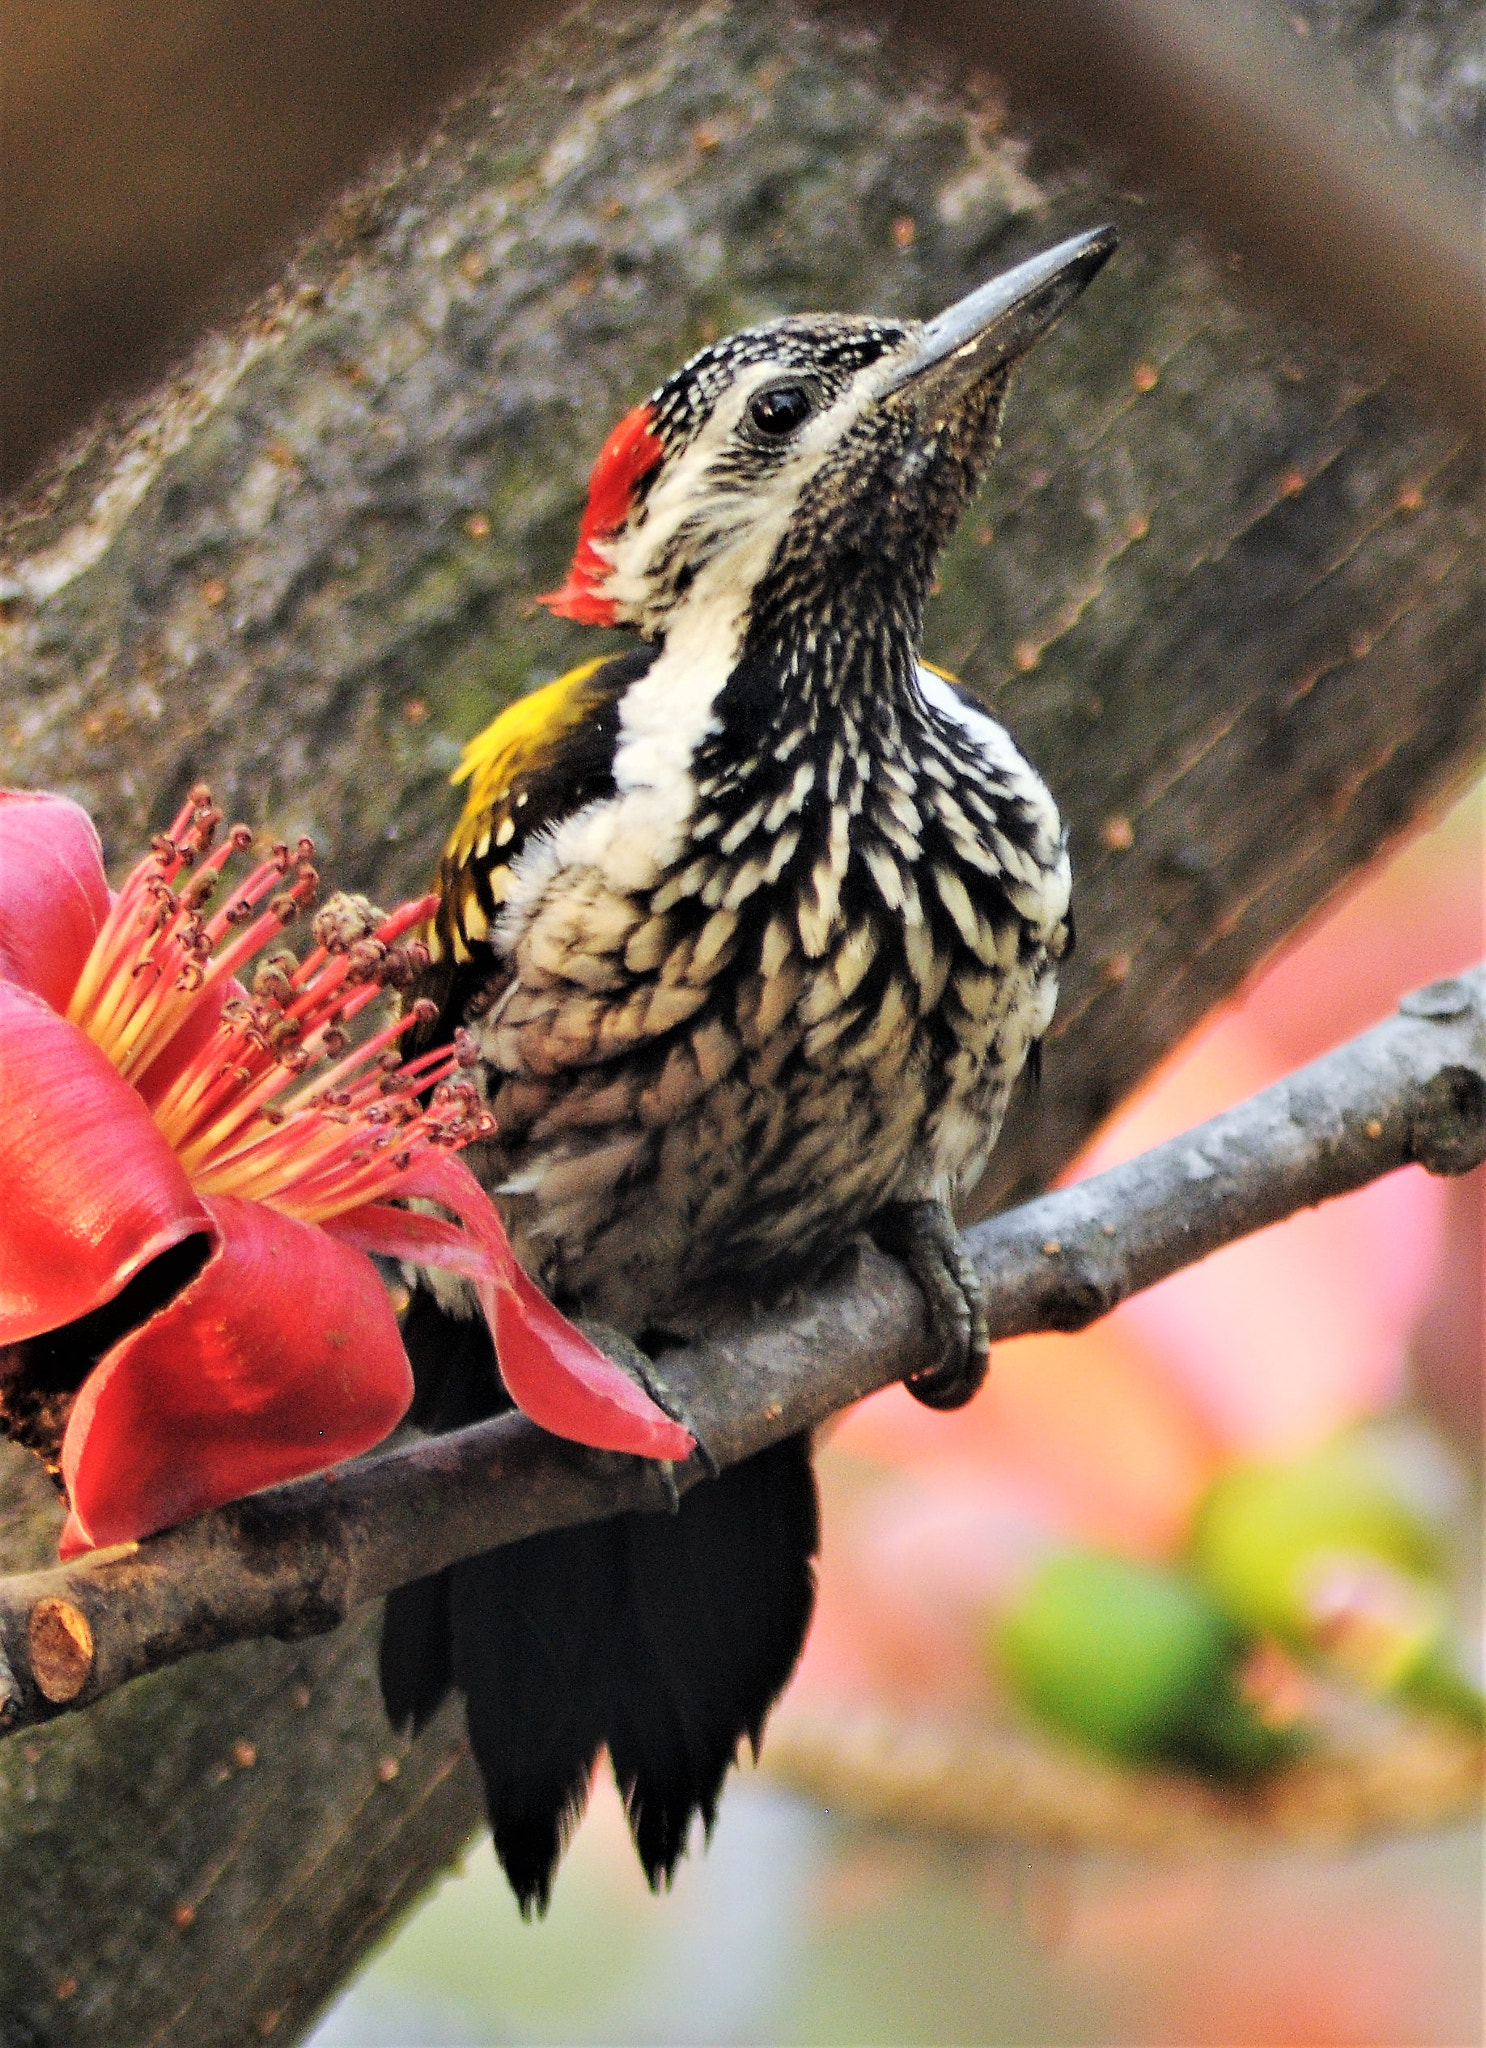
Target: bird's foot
[
  {"x": 923, "y": 1235},
  {"x": 623, "y": 1351}
]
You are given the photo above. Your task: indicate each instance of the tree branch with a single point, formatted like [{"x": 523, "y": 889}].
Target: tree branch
[
  {"x": 297, "y": 1559},
  {"x": 986, "y": 1781},
  {"x": 1221, "y": 588}
]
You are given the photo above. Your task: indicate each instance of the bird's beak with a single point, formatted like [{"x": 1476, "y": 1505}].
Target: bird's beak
[{"x": 992, "y": 326}]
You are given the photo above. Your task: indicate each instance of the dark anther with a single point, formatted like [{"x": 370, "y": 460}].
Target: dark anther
[
  {"x": 240, "y": 838},
  {"x": 284, "y": 906},
  {"x": 198, "y": 893}
]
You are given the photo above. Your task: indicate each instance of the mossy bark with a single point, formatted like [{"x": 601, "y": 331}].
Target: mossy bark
[{"x": 1222, "y": 585}]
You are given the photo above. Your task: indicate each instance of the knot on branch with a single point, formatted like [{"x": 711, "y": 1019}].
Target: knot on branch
[
  {"x": 1441, "y": 1000},
  {"x": 1079, "y": 1287},
  {"x": 1447, "y": 1129},
  {"x": 1080, "y": 1299}
]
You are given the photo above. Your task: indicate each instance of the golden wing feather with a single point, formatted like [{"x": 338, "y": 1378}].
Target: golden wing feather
[{"x": 530, "y": 767}]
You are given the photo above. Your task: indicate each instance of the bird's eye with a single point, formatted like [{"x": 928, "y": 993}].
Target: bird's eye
[{"x": 780, "y": 411}]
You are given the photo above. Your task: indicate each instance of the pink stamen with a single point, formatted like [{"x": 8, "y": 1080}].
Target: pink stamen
[{"x": 258, "y": 1112}]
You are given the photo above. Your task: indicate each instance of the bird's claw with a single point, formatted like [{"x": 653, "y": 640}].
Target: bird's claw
[
  {"x": 637, "y": 1365},
  {"x": 923, "y": 1235}
]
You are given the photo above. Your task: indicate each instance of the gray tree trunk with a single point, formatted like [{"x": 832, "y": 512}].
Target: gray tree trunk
[{"x": 1222, "y": 586}]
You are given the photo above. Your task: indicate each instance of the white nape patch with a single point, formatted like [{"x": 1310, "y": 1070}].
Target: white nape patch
[
  {"x": 669, "y": 712},
  {"x": 1001, "y": 752},
  {"x": 634, "y": 836}
]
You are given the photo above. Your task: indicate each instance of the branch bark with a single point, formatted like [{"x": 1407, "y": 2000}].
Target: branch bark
[
  {"x": 1223, "y": 589},
  {"x": 993, "y": 1782},
  {"x": 297, "y": 1559}
]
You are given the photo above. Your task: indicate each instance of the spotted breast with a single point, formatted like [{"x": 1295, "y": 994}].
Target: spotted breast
[{"x": 734, "y": 986}]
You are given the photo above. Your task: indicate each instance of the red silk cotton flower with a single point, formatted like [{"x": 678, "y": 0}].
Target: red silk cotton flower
[{"x": 194, "y": 1173}]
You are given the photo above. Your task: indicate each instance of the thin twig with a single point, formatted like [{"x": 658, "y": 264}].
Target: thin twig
[{"x": 296, "y": 1559}]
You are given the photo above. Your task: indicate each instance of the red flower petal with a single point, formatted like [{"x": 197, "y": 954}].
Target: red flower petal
[
  {"x": 408, "y": 1234},
  {"x": 92, "y": 1190},
  {"x": 53, "y": 892},
  {"x": 282, "y": 1356},
  {"x": 552, "y": 1372}
]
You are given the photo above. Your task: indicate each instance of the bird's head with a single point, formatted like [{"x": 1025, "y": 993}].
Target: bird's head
[{"x": 810, "y": 457}]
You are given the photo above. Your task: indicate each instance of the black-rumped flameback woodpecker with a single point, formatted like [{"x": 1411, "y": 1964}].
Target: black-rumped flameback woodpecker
[{"x": 754, "y": 927}]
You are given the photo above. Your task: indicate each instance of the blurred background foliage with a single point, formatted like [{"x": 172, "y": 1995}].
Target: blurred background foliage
[{"x": 154, "y": 161}]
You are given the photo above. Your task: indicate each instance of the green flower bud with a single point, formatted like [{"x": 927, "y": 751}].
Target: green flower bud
[
  {"x": 1135, "y": 1660},
  {"x": 1267, "y": 1535}
]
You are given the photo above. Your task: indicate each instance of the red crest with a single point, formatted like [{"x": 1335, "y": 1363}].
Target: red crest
[{"x": 631, "y": 452}]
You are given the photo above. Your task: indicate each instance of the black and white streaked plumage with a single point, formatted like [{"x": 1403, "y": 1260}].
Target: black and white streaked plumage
[{"x": 754, "y": 928}]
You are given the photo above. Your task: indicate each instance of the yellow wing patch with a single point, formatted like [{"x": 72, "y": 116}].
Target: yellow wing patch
[{"x": 526, "y": 737}]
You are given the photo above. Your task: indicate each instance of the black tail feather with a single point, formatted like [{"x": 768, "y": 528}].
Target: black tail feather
[
  {"x": 717, "y": 1600},
  {"x": 455, "y": 1383},
  {"x": 532, "y": 1628},
  {"x": 666, "y": 1638},
  {"x": 416, "y": 1665}
]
